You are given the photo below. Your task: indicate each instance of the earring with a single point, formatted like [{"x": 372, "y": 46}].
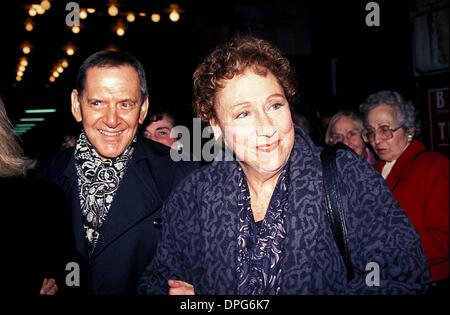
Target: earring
[{"x": 409, "y": 137}]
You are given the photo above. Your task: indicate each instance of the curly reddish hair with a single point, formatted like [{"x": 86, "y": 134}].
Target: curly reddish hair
[{"x": 234, "y": 58}]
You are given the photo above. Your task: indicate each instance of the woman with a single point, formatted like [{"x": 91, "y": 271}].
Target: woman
[
  {"x": 417, "y": 177},
  {"x": 35, "y": 235},
  {"x": 346, "y": 127},
  {"x": 257, "y": 225}
]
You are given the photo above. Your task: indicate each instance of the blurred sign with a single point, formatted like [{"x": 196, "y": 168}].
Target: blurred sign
[{"x": 438, "y": 112}]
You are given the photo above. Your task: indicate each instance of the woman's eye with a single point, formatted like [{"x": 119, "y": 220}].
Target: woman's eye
[
  {"x": 242, "y": 115},
  {"x": 276, "y": 106}
]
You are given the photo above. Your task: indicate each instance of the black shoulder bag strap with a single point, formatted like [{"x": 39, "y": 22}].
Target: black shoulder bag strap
[{"x": 335, "y": 210}]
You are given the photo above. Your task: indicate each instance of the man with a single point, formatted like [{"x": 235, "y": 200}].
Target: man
[
  {"x": 116, "y": 180},
  {"x": 159, "y": 128}
]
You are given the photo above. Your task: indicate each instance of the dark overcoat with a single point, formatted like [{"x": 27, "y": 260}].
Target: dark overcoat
[{"x": 132, "y": 227}]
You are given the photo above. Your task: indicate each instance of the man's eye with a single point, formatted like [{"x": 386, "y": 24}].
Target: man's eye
[
  {"x": 126, "y": 105},
  {"x": 96, "y": 103}
]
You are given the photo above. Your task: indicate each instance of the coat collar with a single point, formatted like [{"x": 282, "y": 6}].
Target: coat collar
[{"x": 403, "y": 166}]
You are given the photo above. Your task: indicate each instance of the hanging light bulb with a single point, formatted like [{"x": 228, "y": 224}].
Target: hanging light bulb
[
  {"x": 113, "y": 10},
  {"x": 45, "y": 4},
  {"x": 38, "y": 9},
  {"x": 75, "y": 29},
  {"x": 131, "y": 17},
  {"x": 70, "y": 51},
  {"x": 155, "y": 17},
  {"x": 174, "y": 16},
  {"x": 52, "y": 79},
  {"x": 90, "y": 10},
  {"x": 26, "y": 49},
  {"x": 120, "y": 31},
  {"x": 60, "y": 69},
  {"x": 24, "y": 62},
  {"x": 64, "y": 63},
  {"x": 83, "y": 14},
  {"x": 29, "y": 26},
  {"x": 32, "y": 11}
]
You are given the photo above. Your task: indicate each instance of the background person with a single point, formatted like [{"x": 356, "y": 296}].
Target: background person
[
  {"x": 159, "y": 127},
  {"x": 36, "y": 241},
  {"x": 418, "y": 177},
  {"x": 346, "y": 127},
  {"x": 115, "y": 179},
  {"x": 258, "y": 225}
]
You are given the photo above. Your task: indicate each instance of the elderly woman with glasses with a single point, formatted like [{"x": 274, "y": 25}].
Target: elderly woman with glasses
[
  {"x": 417, "y": 177},
  {"x": 346, "y": 127},
  {"x": 257, "y": 224}
]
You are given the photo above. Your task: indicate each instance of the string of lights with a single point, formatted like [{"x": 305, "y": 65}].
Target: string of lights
[{"x": 124, "y": 20}]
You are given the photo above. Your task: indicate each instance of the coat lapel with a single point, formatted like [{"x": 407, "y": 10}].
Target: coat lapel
[
  {"x": 305, "y": 218},
  {"x": 70, "y": 186},
  {"x": 135, "y": 199},
  {"x": 403, "y": 165}
]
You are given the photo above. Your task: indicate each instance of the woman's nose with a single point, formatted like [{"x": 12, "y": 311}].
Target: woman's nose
[
  {"x": 265, "y": 126},
  {"x": 346, "y": 141}
]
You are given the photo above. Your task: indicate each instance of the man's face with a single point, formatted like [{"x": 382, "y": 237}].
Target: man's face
[
  {"x": 159, "y": 130},
  {"x": 110, "y": 108}
]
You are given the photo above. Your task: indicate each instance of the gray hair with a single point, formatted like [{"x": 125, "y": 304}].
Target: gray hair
[
  {"x": 405, "y": 112},
  {"x": 355, "y": 117}
]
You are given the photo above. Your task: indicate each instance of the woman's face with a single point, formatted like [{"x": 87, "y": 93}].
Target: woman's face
[
  {"x": 254, "y": 118},
  {"x": 346, "y": 131},
  {"x": 387, "y": 150}
]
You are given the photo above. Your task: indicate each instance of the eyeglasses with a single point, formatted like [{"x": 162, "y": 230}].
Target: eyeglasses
[
  {"x": 339, "y": 137},
  {"x": 385, "y": 133}
]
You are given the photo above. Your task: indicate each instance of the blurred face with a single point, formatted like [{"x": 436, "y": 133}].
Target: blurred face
[
  {"x": 254, "y": 117},
  {"x": 346, "y": 131},
  {"x": 110, "y": 108},
  {"x": 387, "y": 149},
  {"x": 160, "y": 131}
]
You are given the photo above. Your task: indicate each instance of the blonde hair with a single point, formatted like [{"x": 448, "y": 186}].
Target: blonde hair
[{"x": 12, "y": 161}]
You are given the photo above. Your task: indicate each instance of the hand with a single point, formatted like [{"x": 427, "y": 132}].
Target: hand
[
  {"x": 178, "y": 287},
  {"x": 49, "y": 287}
]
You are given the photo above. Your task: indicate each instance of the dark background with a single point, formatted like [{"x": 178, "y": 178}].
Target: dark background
[{"x": 310, "y": 33}]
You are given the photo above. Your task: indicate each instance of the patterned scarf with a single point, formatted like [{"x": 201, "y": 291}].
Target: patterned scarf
[
  {"x": 98, "y": 182},
  {"x": 259, "y": 267}
]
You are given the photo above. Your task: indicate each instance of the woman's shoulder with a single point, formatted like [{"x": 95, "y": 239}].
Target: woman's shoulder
[
  {"x": 427, "y": 159},
  {"x": 214, "y": 174}
]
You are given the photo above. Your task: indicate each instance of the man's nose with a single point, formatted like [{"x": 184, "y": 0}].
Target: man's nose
[{"x": 111, "y": 116}]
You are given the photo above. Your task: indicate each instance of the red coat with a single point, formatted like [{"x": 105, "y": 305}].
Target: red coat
[{"x": 419, "y": 180}]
